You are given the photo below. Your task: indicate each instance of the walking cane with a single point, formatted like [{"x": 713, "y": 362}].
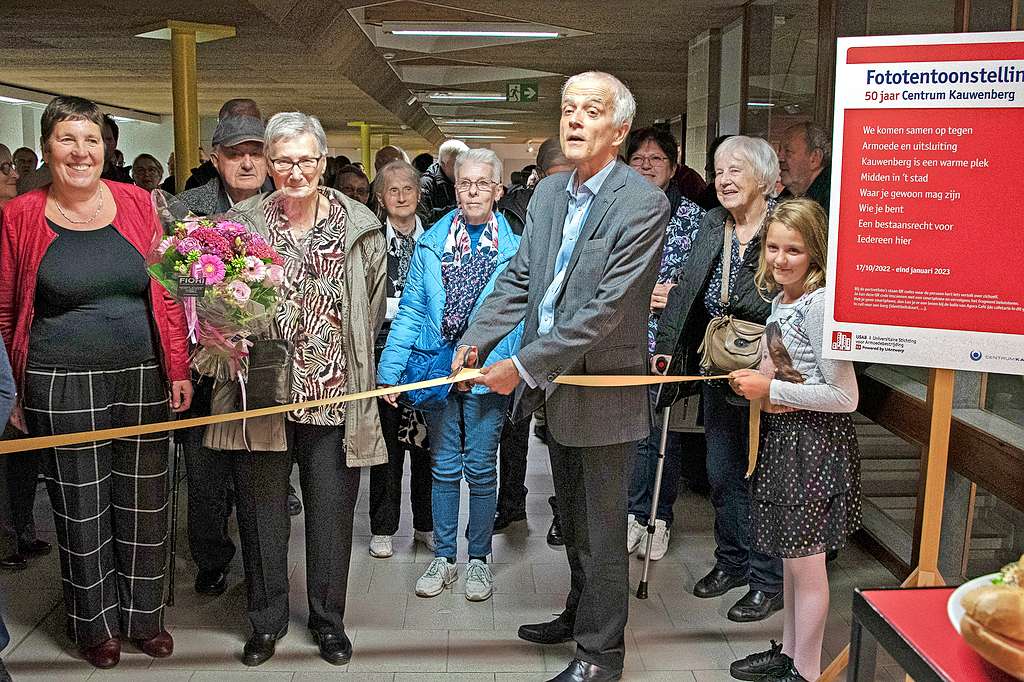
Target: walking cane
[
  {"x": 174, "y": 521},
  {"x": 641, "y": 590}
]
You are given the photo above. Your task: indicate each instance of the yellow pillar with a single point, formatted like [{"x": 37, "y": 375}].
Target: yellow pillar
[
  {"x": 185, "y": 102},
  {"x": 364, "y": 145},
  {"x": 183, "y": 36}
]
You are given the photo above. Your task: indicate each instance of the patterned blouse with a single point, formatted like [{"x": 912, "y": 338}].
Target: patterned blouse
[
  {"x": 679, "y": 234},
  {"x": 311, "y": 313},
  {"x": 713, "y": 292}
]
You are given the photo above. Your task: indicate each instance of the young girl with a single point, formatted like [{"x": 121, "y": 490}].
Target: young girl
[{"x": 806, "y": 487}]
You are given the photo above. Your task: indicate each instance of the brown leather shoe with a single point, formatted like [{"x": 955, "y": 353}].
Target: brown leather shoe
[
  {"x": 104, "y": 655},
  {"x": 160, "y": 646}
]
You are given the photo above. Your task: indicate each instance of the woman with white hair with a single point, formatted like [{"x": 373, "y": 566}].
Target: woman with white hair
[
  {"x": 746, "y": 171},
  {"x": 333, "y": 295},
  {"x": 453, "y": 269}
]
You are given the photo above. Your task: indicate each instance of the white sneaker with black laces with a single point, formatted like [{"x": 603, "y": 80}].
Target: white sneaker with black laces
[
  {"x": 635, "y": 533},
  {"x": 479, "y": 581},
  {"x": 426, "y": 537},
  {"x": 439, "y": 575},
  {"x": 659, "y": 545},
  {"x": 381, "y": 547}
]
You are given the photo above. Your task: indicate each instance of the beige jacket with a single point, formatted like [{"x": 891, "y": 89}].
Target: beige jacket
[{"x": 363, "y": 313}]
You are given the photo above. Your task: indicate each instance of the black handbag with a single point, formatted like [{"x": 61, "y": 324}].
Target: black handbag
[{"x": 269, "y": 380}]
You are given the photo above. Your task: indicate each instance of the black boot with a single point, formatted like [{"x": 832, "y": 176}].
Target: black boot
[{"x": 555, "y": 532}]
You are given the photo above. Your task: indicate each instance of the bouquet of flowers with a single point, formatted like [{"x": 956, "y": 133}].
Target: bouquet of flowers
[{"x": 227, "y": 279}]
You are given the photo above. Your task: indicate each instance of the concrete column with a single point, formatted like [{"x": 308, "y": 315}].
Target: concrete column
[
  {"x": 731, "y": 78},
  {"x": 755, "y": 83},
  {"x": 702, "y": 102}
]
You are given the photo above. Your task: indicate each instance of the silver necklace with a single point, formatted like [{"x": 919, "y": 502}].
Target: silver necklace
[{"x": 71, "y": 220}]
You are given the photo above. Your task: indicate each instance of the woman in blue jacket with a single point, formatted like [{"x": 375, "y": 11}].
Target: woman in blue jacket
[{"x": 453, "y": 269}]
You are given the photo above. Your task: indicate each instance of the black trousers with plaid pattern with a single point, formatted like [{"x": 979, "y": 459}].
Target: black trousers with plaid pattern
[{"x": 109, "y": 498}]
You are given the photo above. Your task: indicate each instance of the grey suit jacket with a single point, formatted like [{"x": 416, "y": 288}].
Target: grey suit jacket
[{"x": 601, "y": 315}]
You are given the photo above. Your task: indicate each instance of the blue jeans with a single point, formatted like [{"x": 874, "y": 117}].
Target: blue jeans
[
  {"x": 464, "y": 444},
  {"x": 726, "y": 427},
  {"x": 641, "y": 487}
]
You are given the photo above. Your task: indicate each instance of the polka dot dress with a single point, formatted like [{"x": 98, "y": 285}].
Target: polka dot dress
[{"x": 806, "y": 487}]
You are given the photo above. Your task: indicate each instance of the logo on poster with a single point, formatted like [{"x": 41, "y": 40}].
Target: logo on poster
[
  {"x": 842, "y": 341},
  {"x": 975, "y": 355}
]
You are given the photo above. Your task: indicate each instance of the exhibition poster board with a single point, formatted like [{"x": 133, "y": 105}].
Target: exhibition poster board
[{"x": 926, "y": 233}]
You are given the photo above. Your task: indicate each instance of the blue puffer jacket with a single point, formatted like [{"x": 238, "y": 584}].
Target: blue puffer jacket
[{"x": 418, "y": 320}]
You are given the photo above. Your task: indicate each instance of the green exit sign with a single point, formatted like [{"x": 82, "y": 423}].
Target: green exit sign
[{"x": 522, "y": 91}]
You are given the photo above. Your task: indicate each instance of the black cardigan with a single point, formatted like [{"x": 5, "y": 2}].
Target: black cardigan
[{"x": 685, "y": 319}]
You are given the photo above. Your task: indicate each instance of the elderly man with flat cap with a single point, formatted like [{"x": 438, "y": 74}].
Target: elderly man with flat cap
[{"x": 582, "y": 280}]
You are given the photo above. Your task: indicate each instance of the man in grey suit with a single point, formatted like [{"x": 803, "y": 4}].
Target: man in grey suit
[{"x": 582, "y": 280}]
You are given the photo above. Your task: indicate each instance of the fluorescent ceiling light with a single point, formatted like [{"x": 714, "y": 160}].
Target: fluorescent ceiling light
[
  {"x": 13, "y": 100},
  {"x": 472, "y": 33},
  {"x": 475, "y": 96},
  {"x": 761, "y": 104},
  {"x": 477, "y": 122},
  {"x": 478, "y": 137}
]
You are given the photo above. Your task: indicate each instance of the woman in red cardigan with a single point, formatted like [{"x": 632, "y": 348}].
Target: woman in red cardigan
[{"x": 95, "y": 344}]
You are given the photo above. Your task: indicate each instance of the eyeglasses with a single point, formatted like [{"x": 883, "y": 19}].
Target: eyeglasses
[
  {"x": 655, "y": 161},
  {"x": 6, "y": 167},
  {"x": 482, "y": 186},
  {"x": 286, "y": 165}
]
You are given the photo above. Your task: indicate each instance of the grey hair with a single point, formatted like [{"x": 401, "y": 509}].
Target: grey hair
[
  {"x": 764, "y": 162},
  {"x": 816, "y": 138},
  {"x": 623, "y": 103},
  {"x": 481, "y": 155},
  {"x": 391, "y": 169},
  {"x": 287, "y": 125},
  {"x": 450, "y": 148}
]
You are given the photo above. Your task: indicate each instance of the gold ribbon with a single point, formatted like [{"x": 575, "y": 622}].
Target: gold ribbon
[{"x": 62, "y": 440}]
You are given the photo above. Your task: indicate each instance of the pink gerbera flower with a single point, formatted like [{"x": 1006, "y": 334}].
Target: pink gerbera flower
[{"x": 211, "y": 268}]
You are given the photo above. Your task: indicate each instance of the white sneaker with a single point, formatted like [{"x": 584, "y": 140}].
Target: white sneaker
[
  {"x": 380, "y": 546},
  {"x": 439, "y": 575},
  {"x": 635, "y": 533},
  {"x": 426, "y": 537},
  {"x": 659, "y": 545},
  {"x": 479, "y": 581}
]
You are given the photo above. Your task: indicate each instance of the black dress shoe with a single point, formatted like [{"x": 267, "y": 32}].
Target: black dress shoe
[
  {"x": 14, "y": 562},
  {"x": 755, "y": 605},
  {"x": 716, "y": 583},
  {"x": 34, "y": 549},
  {"x": 334, "y": 648},
  {"x": 581, "y": 671},
  {"x": 260, "y": 647},
  {"x": 555, "y": 537},
  {"x": 762, "y": 665},
  {"x": 552, "y": 632},
  {"x": 212, "y": 582},
  {"x": 504, "y": 520},
  {"x": 294, "y": 503}
]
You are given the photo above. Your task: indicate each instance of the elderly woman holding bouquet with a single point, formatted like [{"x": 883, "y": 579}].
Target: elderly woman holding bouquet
[
  {"x": 332, "y": 304},
  {"x": 95, "y": 344},
  {"x": 453, "y": 269}
]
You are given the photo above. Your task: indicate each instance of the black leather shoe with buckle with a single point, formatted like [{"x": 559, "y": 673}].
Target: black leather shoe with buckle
[
  {"x": 335, "y": 648},
  {"x": 755, "y": 605},
  {"x": 581, "y": 671},
  {"x": 716, "y": 583},
  {"x": 762, "y": 665}
]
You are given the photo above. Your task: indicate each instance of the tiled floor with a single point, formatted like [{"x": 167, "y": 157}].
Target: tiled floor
[{"x": 399, "y": 637}]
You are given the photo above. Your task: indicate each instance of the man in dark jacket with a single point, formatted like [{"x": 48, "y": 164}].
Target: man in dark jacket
[
  {"x": 805, "y": 162},
  {"x": 515, "y": 436},
  {"x": 437, "y": 191},
  {"x": 238, "y": 106}
]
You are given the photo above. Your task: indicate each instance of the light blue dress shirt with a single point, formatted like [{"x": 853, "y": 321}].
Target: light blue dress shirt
[{"x": 580, "y": 201}]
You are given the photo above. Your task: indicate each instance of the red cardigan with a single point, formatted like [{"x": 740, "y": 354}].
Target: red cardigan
[{"x": 24, "y": 239}]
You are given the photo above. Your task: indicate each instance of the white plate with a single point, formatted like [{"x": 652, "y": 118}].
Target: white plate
[{"x": 953, "y": 607}]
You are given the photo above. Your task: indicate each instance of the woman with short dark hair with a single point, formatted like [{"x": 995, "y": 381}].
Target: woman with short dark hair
[{"x": 95, "y": 344}]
